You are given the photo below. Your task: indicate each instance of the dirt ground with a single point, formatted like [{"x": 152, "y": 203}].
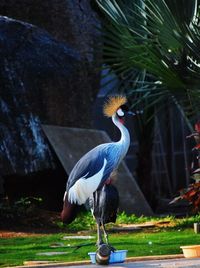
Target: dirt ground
[{"x": 41, "y": 223}]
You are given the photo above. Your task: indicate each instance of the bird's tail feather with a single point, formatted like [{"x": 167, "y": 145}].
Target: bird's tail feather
[{"x": 69, "y": 212}]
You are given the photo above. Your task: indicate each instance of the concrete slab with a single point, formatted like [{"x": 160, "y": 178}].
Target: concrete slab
[
  {"x": 176, "y": 263},
  {"x": 70, "y": 144},
  {"x": 162, "y": 263}
]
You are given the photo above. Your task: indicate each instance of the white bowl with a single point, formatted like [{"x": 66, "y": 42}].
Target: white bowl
[
  {"x": 192, "y": 251},
  {"x": 116, "y": 256}
]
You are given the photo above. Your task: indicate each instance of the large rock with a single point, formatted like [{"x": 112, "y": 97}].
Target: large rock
[
  {"x": 42, "y": 77},
  {"x": 36, "y": 76},
  {"x": 75, "y": 23}
]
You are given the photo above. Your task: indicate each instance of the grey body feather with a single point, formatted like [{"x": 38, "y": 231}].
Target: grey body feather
[{"x": 93, "y": 161}]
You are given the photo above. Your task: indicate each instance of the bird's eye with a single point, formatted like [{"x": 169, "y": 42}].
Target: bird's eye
[{"x": 120, "y": 113}]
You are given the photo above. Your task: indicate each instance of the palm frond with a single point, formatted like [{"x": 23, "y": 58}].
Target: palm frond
[{"x": 161, "y": 37}]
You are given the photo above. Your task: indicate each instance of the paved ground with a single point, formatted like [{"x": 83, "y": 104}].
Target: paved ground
[
  {"x": 163, "y": 263},
  {"x": 176, "y": 263}
]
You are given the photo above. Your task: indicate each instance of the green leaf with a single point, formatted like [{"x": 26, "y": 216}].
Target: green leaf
[{"x": 161, "y": 37}]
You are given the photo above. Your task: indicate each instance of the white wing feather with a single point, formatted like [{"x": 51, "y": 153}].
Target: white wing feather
[{"x": 84, "y": 188}]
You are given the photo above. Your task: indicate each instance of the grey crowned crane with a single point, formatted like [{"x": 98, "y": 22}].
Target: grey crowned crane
[{"x": 91, "y": 176}]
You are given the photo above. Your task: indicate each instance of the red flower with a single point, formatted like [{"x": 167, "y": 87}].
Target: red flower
[
  {"x": 197, "y": 146},
  {"x": 197, "y": 127}
]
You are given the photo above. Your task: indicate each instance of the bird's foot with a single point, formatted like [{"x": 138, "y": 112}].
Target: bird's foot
[
  {"x": 111, "y": 248},
  {"x": 103, "y": 254}
]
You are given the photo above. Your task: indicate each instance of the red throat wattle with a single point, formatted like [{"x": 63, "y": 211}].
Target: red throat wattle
[{"x": 122, "y": 121}]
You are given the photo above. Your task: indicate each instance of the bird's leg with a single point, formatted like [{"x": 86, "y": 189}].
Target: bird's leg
[
  {"x": 99, "y": 235},
  {"x": 106, "y": 238},
  {"x": 95, "y": 213},
  {"x": 105, "y": 233}
]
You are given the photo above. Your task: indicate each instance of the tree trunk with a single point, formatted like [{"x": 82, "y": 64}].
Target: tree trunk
[{"x": 144, "y": 132}]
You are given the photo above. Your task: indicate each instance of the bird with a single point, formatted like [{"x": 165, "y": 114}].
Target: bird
[{"x": 91, "y": 177}]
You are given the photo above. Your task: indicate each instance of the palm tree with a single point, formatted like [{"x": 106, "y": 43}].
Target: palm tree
[{"x": 153, "y": 46}]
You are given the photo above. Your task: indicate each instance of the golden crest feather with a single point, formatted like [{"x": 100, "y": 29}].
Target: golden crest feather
[{"x": 113, "y": 104}]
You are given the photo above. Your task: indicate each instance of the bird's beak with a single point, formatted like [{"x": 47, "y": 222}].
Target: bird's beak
[{"x": 135, "y": 113}]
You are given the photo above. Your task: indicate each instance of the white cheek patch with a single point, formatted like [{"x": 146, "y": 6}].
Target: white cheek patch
[{"x": 120, "y": 112}]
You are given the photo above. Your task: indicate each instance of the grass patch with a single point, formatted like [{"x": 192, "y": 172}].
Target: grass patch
[
  {"x": 156, "y": 241},
  {"x": 14, "y": 251},
  {"x": 123, "y": 218},
  {"x": 85, "y": 221}
]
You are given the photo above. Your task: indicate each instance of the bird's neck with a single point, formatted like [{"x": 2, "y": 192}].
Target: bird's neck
[{"x": 125, "y": 137}]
